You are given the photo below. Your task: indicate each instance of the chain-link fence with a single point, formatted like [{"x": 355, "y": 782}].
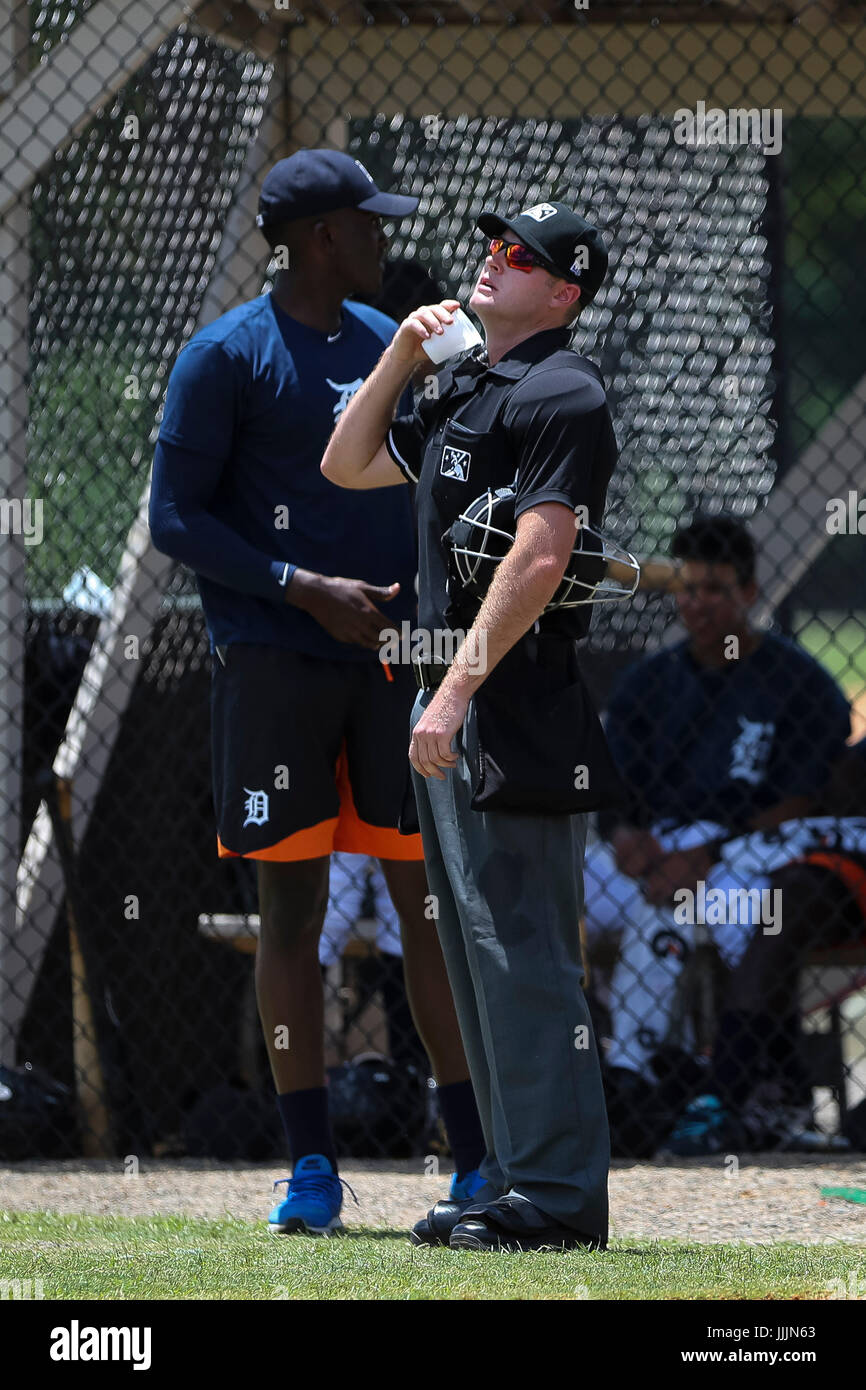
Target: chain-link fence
[{"x": 722, "y": 149}]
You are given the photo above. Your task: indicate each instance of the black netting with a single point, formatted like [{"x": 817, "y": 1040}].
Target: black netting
[{"x": 729, "y": 335}]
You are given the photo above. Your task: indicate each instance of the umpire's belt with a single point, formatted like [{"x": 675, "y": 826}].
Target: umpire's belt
[{"x": 429, "y": 674}]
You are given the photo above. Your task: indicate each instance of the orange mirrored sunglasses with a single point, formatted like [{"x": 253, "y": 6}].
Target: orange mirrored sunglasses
[{"x": 517, "y": 256}]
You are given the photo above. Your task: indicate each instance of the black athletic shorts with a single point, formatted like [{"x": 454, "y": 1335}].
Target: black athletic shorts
[{"x": 309, "y": 755}]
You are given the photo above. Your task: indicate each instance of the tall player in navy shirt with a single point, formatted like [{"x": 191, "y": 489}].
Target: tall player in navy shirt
[{"x": 308, "y": 725}]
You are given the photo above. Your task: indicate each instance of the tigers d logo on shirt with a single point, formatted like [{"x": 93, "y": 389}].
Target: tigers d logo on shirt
[{"x": 455, "y": 463}]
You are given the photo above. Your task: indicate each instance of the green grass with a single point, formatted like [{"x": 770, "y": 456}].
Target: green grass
[{"x": 174, "y": 1257}]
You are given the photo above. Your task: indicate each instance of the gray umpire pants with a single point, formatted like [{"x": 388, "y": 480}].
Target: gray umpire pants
[{"x": 509, "y": 895}]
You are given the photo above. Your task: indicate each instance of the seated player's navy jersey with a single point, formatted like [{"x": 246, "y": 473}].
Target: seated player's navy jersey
[
  {"x": 723, "y": 744},
  {"x": 537, "y": 419},
  {"x": 237, "y": 491}
]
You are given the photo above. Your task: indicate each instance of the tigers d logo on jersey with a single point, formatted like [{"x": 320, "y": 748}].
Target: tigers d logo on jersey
[
  {"x": 345, "y": 391},
  {"x": 750, "y": 750},
  {"x": 455, "y": 463}
]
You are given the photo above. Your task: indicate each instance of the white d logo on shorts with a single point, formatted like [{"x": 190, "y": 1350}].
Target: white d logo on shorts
[
  {"x": 540, "y": 212},
  {"x": 256, "y": 807}
]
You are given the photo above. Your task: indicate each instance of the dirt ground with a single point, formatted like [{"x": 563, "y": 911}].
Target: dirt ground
[{"x": 768, "y": 1198}]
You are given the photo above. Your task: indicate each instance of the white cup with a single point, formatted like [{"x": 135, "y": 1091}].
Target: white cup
[{"x": 457, "y": 336}]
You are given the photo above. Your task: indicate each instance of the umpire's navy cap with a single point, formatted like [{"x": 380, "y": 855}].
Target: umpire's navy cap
[
  {"x": 314, "y": 181},
  {"x": 572, "y": 248}
]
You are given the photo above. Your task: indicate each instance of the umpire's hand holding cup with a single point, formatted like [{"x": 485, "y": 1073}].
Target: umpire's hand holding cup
[{"x": 422, "y": 325}]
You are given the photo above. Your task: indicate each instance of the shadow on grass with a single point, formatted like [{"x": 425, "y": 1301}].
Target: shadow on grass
[{"x": 695, "y": 1252}]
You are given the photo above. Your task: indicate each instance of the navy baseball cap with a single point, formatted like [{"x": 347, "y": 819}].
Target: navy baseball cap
[
  {"x": 570, "y": 247},
  {"x": 314, "y": 181}
]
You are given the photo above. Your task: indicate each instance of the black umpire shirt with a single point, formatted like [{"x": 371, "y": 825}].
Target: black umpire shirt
[{"x": 538, "y": 421}]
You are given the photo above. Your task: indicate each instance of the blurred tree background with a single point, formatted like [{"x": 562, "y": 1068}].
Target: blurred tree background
[{"x": 823, "y": 282}]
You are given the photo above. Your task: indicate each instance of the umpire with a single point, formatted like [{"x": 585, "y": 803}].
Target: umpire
[{"x": 493, "y": 740}]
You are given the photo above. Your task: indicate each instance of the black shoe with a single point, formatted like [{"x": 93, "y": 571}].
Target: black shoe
[
  {"x": 436, "y": 1227},
  {"x": 513, "y": 1223}
]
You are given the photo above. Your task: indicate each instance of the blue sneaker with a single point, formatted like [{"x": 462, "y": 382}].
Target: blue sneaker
[
  {"x": 464, "y": 1189},
  {"x": 435, "y": 1228},
  {"x": 705, "y": 1127},
  {"x": 313, "y": 1201}
]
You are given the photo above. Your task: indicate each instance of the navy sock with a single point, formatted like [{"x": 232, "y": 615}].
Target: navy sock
[
  {"x": 462, "y": 1125},
  {"x": 305, "y": 1119}
]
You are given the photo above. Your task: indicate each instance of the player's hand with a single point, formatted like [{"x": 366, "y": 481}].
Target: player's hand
[
  {"x": 420, "y": 325},
  {"x": 635, "y": 851},
  {"x": 430, "y": 749},
  {"x": 682, "y": 868},
  {"x": 345, "y": 608}
]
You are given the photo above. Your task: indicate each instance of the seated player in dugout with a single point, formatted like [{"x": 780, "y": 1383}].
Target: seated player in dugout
[
  {"x": 731, "y": 732},
  {"x": 757, "y": 1093},
  {"x": 298, "y": 578}
]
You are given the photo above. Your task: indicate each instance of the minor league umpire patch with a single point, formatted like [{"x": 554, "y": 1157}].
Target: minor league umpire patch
[{"x": 455, "y": 463}]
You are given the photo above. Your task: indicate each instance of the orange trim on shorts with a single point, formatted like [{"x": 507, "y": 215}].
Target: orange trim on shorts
[
  {"x": 312, "y": 843},
  {"x": 852, "y": 875},
  {"x": 356, "y": 836},
  {"x": 346, "y": 833}
]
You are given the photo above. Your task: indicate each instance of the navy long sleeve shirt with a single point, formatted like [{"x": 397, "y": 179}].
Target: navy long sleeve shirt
[{"x": 237, "y": 493}]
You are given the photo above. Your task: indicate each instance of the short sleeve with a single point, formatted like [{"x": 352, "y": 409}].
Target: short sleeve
[
  {"x": 407, "y": 436},
  {"x": 556, "y": 422},
  {"x": 203, "y": 401}
]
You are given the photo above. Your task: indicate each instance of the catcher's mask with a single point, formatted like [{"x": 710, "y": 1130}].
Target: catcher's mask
[{"x": 484, "y": 533}]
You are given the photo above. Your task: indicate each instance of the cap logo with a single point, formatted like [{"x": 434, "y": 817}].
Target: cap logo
[
  {"x": 540, "y": 212},
  {"x": 367, "y": 176}
]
